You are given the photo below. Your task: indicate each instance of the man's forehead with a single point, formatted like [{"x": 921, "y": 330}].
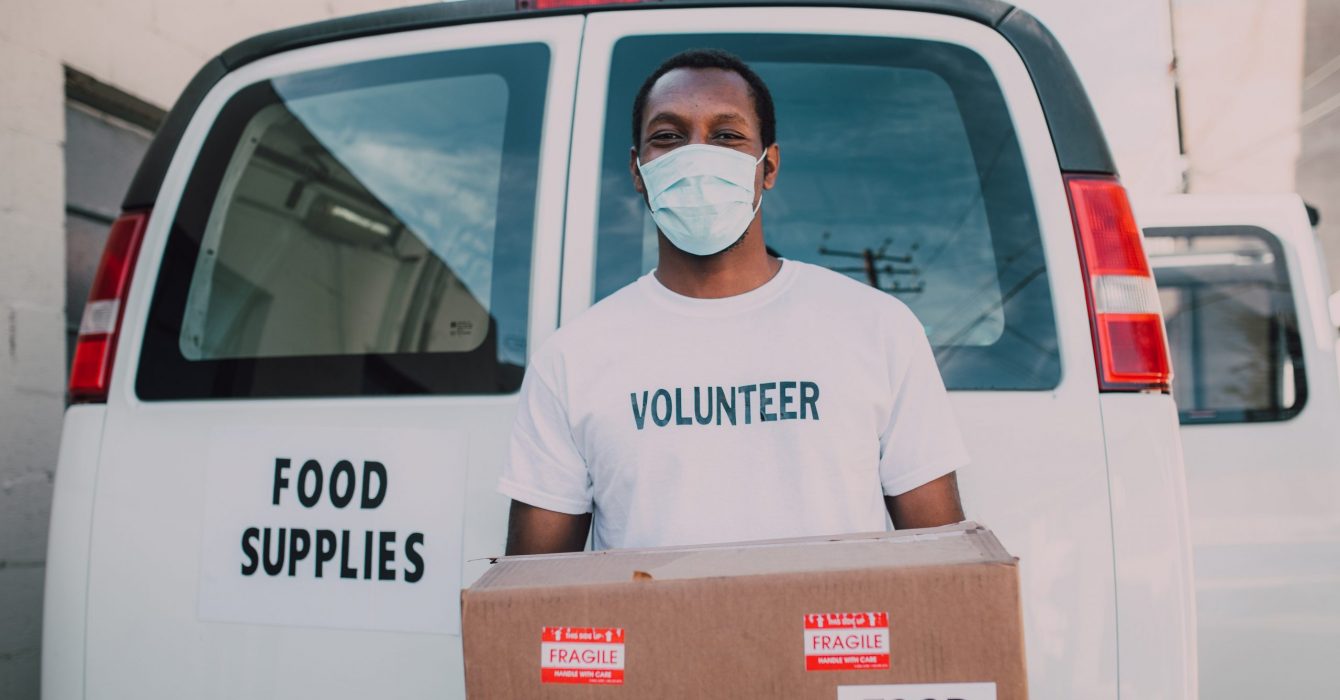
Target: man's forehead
[{"x": 701, "y": 86}]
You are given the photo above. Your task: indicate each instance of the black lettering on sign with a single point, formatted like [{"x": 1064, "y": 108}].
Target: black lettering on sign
[
  {"x": 370, "y": 468},
  {"x": 367, "y": 555},
  {"x": 386, "y": 557},
  {"x": 281, "y": 482},
  {"x": 297, "y": 552},
  {"x": 346, "y": 571},
  {"x": 289, "y": 549},
  {"x": 273, "y": 568},
  {"x": 249, "y": 549},
  {"x": 311, "y": 480},
  {"x": 325, "y": 549},
  {"x": 277, "y": 550},
  {"x": 412, "y": 543},
  {"x": 346, "y": 469},
  {"x": 313, "y": 468}
]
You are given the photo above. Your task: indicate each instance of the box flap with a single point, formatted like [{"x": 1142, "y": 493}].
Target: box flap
[{"x": 962, "y": 543}]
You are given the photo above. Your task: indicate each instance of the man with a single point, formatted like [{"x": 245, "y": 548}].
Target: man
[{"x": 728, "y": 395}]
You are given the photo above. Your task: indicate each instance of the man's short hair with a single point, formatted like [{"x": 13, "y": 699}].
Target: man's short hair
[{"x": 712, "y": 58}]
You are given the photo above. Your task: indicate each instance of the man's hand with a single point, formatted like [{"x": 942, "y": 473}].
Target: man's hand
[
  {"x": 532, "y": 530},
  {"x": 929, "y": 505}
]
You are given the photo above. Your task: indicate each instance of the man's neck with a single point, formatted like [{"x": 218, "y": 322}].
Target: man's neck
[{"x": 734, "y": 271}]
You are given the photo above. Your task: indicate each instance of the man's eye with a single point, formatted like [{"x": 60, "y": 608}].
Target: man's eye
[
  {"x": 729, "y": 135},
  {"x": 664, "y": 136}
]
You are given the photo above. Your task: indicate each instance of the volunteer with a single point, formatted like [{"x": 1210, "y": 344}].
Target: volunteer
[{"x": 728, "y": 395}]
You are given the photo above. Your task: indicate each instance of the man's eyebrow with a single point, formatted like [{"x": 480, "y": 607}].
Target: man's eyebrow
[
  {"x": 716, "y": 118},
  {"x": 728, "y": 117},
  {"x": 667, "y": 117}
]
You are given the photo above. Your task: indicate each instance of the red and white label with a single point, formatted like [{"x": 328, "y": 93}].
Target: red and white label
[
  {"x": 586, "y": 655},
  {"x": 846, "y": 641}
]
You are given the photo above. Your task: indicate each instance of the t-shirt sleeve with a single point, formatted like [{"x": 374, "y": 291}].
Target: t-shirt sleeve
[
  {"x": 921, "y": 441},
  {"x": 544, "y": 467}
]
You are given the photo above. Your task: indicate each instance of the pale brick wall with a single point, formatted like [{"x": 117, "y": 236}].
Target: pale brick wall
[
  {"x": 32, "y": 297},
  {"x": 150, "y": 49}
]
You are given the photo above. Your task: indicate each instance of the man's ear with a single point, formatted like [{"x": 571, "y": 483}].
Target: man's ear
[
  {"x": 632, "y": 169},
  {"x": 772, "y": 162}
]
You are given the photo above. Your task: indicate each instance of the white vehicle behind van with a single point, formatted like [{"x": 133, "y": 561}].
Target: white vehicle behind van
[
  {"x": 297, "y": 370},
  {"x": 1244, "y": 292}
]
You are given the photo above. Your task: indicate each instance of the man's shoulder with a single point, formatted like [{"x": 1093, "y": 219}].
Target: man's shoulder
[
  {"x": 596, "y": 324},
  {"x": 838, "y": 291}
]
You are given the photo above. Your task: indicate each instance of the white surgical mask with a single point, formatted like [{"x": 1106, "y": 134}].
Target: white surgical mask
[{"x": 701, "y": 196}]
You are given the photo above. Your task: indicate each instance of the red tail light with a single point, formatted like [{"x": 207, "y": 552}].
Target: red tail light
[
  {"x": 91, "y": 371},
  {"x": 1129, "y": 341}
]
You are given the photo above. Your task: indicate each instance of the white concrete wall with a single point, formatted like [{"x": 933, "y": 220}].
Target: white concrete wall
[
  {"x": 1123, "y": 53},
  {"x": 1241, "y": 67},
  {"x": 149, "y": 48}
]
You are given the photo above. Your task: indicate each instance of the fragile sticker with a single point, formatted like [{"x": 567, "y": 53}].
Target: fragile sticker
[
  {"x": 918, "y": 691},
  {"x": 854, "y": 641},
  {"x": 584, "y": 655}
]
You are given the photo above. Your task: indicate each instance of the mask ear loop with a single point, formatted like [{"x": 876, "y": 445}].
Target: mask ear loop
[{"x": 760, "y": 191}]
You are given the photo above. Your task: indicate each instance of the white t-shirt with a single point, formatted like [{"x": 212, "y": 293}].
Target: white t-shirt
[{"x": 786, "y": 411}]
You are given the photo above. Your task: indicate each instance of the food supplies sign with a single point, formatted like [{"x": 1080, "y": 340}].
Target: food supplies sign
[
  {"x": 582, "y": 655},
  {"x": 853, "y": 641},
  {"x": 357, "y": 529}
]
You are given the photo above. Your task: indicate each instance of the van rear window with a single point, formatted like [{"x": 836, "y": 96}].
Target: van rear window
[
  {"x": 347, "y": 231},
  {"x": 900, "y": 168},
  {"x": 1232, "y": 327}
]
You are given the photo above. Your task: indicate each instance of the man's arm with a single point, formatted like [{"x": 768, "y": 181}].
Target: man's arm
[
  {"x": 532, "y": 530},
  {"x": 931, "y": 504}
]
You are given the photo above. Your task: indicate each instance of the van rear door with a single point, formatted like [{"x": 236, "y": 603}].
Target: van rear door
[
  {"x": 915, "y": 158},
  {"x": 342, "y": 277},
  {"x": 1254, "y": 355}
]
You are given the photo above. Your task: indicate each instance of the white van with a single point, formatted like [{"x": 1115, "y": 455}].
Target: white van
[
  {"x": 1244, "y": 291},
  {"x": 297, "y": 370}
]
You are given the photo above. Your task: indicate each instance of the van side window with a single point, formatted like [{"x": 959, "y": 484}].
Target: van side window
[
  {"x": 900, "y": 168},
  {"x": 1232, "y": 327},
  {"x": 360, "y": 230}
]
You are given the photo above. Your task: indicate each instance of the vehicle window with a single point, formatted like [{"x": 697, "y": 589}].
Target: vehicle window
[
  {"x": 1232, "y": 328},
  {"x": 900, "y": 168},
  {"x": 357, "y": 230}
]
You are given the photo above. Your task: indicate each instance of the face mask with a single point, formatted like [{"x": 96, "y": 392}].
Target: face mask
[{"x": 701, "y": 197}]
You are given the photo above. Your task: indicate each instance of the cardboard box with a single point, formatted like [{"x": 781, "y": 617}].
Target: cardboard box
[{"x": 807, "y": 618}]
